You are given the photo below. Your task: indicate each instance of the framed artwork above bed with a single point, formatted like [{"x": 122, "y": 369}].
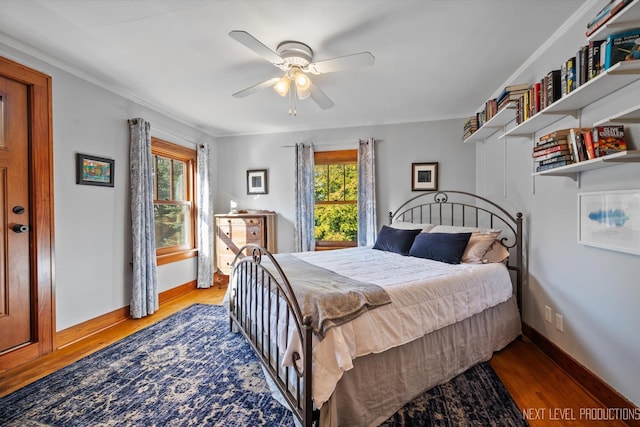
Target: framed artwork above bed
[{"x": 424, "y": 176}]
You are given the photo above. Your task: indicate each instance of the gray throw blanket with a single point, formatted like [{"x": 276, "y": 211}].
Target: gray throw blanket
[{"x": 330, "y": 298}]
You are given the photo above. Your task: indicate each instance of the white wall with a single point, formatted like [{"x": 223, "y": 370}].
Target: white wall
[
  {"x": 92, "y": 224},
  {"x": 596, "y": 290},
  {"x": 397, "y": 147}
]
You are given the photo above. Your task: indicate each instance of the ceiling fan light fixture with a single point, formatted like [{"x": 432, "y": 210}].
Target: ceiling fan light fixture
[
  {"x": 282, "y": 87},
  {"x": 302, "y": 93},
  {"x": 303, "y": 82}
]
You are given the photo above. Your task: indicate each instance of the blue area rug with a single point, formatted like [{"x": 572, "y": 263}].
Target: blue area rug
[{"x": 189, "y": 370}]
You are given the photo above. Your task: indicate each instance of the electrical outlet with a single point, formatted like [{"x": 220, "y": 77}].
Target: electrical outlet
[
  {"x": 559, "y": 322},
  {"x": 547, "y": 313}
]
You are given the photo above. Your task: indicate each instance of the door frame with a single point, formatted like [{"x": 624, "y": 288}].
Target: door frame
[{"x": 41, "y": 206}]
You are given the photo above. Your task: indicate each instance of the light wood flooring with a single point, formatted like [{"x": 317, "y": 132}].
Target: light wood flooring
[{"x": 540, "y": 388}]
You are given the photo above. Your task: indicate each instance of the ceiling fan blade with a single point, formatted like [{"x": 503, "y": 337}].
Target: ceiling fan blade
[
  {"x": 320, "y": 97},
  {"x": 256, "y": 87},
  {"x": 357, "y": 60},
  {"x": 255, "y": 45}
]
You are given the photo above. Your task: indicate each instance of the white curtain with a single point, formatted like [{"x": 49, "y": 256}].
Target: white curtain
[
  {"x": 204, "y": 225},
  {"x": 367, "y": 225},
  {"x": 305, "y": 199},
  {"x": 144, "y": 292}
]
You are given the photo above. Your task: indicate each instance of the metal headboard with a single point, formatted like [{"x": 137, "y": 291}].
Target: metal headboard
[{"x": 460, "y": 208}]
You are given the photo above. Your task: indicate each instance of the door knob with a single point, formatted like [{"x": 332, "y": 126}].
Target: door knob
[{"x": 20, "y": 228}]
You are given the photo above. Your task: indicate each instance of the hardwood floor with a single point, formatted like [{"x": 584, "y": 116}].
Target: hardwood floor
[{"x": 547, "y": 395}]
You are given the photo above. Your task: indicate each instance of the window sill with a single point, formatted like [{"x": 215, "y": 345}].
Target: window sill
[{"x": 176, "y": 256}]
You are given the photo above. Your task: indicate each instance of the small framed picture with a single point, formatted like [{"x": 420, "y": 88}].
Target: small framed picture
[
  {"x": 424, "y": 176},
  {"x": 257, "y": 181},
  {"x": 92, "y": 170}
]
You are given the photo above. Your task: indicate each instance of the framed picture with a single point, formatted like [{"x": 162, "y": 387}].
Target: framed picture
[
  {"x": 257, "y": 181},
  {"x": 610, "y": 220},
  {"x": 424, "y": 176},
  {"x": 92, "y": 170}
]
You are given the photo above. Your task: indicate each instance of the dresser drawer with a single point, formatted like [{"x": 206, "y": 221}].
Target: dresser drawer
[{"x": 241, "y": 234}]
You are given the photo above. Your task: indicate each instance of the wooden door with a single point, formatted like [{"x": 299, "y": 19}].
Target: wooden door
[
  {"x": 15, "y": 277},
  {"x": 27, "y": 316}
]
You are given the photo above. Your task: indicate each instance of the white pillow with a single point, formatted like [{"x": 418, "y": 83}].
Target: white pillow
[
  {"x": 479, "y": 242},
  {"x": 403, "y": 225}
]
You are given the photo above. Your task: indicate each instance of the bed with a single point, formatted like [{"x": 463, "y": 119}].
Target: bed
[{"x": 347, "y": 337}]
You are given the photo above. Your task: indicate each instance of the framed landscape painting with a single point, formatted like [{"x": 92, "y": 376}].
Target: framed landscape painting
[
  {"x": 610, "y": 220},
  {"x": 92, "y": 170}
]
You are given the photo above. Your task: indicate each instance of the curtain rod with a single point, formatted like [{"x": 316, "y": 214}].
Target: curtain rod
[{"x": 333, "y": 145}]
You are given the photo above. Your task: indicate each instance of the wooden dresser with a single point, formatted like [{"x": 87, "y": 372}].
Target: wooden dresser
[{"x": 235, "y": 230}]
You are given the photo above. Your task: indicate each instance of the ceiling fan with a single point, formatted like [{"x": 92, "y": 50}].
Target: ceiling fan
[{"x": 295, "y": 60}]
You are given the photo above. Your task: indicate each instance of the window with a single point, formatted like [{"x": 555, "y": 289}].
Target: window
[
  {"x": 173, "y": 200},
  {"x": 336, "y": 199}
]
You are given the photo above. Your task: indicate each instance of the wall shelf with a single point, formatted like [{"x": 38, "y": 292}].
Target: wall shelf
[
  {"x": 574, "y": 169},
  {"x": 630, "y": 116},
  {"x": 497, "y": 122}
]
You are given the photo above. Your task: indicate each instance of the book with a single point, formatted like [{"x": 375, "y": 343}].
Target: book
[
  {"x": 570, "y": 79},
  {"x": 554, "y": 89},
  {"x": 608, "y": 140},
  {"x": 622, "y": 47},
  {"x": 552, "y": 156},
  {"x": 550, "y": 143},
  {"x": 582, "y": 149},
  {"x": 593, "y": 58},
  {"x": 577, "y": 143},
  {"x": 581, "y": 66},
  {"x": 553, "y": 165},
  {"x": 549, "y": 150},
  {"x": 563, "y": 79},
  {"x": 605, "y": 14},
  {"x": 556, "y": 134},
  {"x": 588, "y": 144}
]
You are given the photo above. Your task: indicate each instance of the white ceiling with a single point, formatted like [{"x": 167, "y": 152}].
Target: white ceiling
[{"x": 434, "y": 59}]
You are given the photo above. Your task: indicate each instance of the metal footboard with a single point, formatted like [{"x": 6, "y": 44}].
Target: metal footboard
[{"x": 262, "y": 306}]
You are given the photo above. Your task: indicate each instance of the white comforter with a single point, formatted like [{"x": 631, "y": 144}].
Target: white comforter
[{"x": 426, "y": 295}]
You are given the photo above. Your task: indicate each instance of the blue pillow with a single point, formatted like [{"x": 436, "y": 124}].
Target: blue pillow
[
  {"x": 445, "y": 247},
  {"x": 395, "y": 240}
]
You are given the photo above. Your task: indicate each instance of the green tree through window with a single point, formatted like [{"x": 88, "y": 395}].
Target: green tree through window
[
  {"x": 336, "y": 199},
  {"x": 173, "y": 204}
]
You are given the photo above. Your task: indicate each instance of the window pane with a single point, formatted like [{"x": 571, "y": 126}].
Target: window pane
[
  {"x": 351, "y": 184},
  {"x": 336, "y": 182},
  {"x": 172, "y": 224},
  {"x": 163, "y": 178},
  {"x": 321, "y": 182},
  {"x": 179, "y": 180},
  {"x": 338, "y": 223}
]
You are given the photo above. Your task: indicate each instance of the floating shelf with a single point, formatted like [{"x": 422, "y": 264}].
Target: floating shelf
[
  {"x": 497, "y": 122},
  {"x": 631, "y": 116},
  {"x": 574, "y": 169}
]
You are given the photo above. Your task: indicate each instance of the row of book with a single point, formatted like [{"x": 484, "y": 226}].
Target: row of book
[
  {"x": 507, "y": 98},
  {"x": 590, "y": 60},
  {"x": 612, "y": 8},
  {"x": 567, "y": 146}
]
